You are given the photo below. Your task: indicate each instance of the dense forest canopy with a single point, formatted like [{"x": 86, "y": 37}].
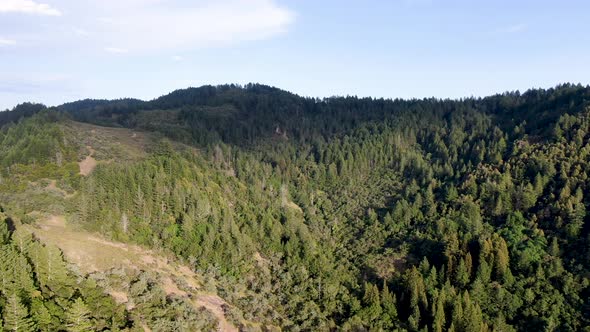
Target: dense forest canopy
[{"x": 348, "y": 213}]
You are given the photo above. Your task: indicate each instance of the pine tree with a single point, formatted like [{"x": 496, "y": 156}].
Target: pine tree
[
  {"x": 52, "y": 271},
  {"x": 371, "y": 296},
  {"x": 469, "y": 264},
  {"x": 16, "y": 316},
  {"x": 462, "y": 275},
  {"x": 15, "y": 271},
  {"x": 414, "y": 319},
  {"x": 554, "y": 248},
  {"x": 4, "y": 232},
  {"x": 388, "y": 302},
  {"x": 439, "y": 320},
  {"x": 484, "y": 272},
  {"x": 41, "y": 315},
  {"x": 457, "y": 315},
  {"x": 501, "y": 260},
  {"x": 22, "y": 240},
  {"x": 473, "y": 321},
  {"x": 500, "y": 324},
  {"x": 78, "y": 318}
]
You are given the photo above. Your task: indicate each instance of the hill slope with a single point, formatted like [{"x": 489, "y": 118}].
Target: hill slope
[{"x": 340, "y": 213}]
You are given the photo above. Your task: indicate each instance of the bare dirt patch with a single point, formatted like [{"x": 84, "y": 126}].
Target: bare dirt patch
[
  {"x": 170, "y": 287},
  {"x": 93, "y": 253},
  {"x": 121, "y": 144},
  {"x": 215, "y": 304},
  {"x": 121, "y": 246},
  {"x": 286, "y": 202},
  {"x": 56, "y": 221},
  {"x": 120, "y": 297},
  {"x": 261, "y": 261},
  {"x": 293, "y": 206},
  {"x": 89, "y": 163}
]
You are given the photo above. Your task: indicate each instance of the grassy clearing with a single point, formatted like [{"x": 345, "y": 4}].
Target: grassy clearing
[
  {"x": 109, "y": 144},
  {"x": 91, "y": 253}
]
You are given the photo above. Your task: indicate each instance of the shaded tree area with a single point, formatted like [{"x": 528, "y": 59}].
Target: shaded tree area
[
  {"x": 39, "y": 293},
  {"x": 19, "y": 112}
]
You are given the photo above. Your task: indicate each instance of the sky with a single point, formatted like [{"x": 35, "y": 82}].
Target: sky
[{"x": 55, "y": 51}]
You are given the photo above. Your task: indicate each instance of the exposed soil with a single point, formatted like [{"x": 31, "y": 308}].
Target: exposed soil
[
  {"x": 89, "y": 163},
  {"x": 53, "y": 188},
  {"x": 120, "y": 297},
  {"x": 93, "y": 253},
  {"x": 214, "y": 304},
  {"x": 110, "y": 141},
  {"x": 293, "y": 206}
]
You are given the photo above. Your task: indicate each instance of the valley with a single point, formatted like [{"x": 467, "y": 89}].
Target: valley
[{"x": 192, "y": 212}]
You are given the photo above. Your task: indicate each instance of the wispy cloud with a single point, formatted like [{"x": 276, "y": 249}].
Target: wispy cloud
[
  {"x": 150, "y": 25},
  {"x": 177, "y": 58},
  {"x": 7, "y": 42},
  {"x": 80, "y": 32},
  {"x": 116, "y": 50},
  {"x": 513, "y": 28},
  {"x": 27, "y": 7},
  {"x": 49, "y": 88},
  {"x": 33, "y": 83}
]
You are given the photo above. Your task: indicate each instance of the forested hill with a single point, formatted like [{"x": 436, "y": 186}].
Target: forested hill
[
  {"x": 341, "y": 213},
  {"x": 239, "y": 115}
]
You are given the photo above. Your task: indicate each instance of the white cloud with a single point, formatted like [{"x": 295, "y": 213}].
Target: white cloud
[
  {"x": 7, "y": 42},
  {"x": 162, "y": 27},
  {"x": 116, "y": 50},
  {"x": 152, "y": 25},
  {"x": 177, "y": 58},
  {"x": 27, "y": 7}
]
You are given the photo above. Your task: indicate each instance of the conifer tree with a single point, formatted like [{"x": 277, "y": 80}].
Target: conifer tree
[
  {"x": 78, "y": 317},
  {"x": 462, "y": 275},
  {"x": 388, "y": 302},
  {"x": 16, "y": 316},
  {"x": 22, "y": 240},
  {"x": 41, "y": 316},
  {"x": 438, "y": 323},
  {"x": 4, "y": 232},
  {"x": 52, "y": 270}
]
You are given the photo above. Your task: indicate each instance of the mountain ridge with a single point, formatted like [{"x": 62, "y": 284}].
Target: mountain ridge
[{"x": 341, "y": 213}]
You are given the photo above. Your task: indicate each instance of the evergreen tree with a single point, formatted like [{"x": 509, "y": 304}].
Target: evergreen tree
[
  {"x": 78, "y": 317},
  {"x": 16, "y": 316},
  {"x": 439, "y": 319},
  {"x": 4, "y": 232},
  {"x": 388, "y": 302},
  {"x": 52, "y": 271},
  {"x": 43, "y": 319}
]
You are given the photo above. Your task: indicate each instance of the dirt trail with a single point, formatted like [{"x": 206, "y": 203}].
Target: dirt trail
[
  {"x": 89, "y": 163},
  {"x": 52, "y": 187},
  {"x": 215, "y": 304},
  {"x": 286, "y": 202},
  {"x": 93, "y": 253}
]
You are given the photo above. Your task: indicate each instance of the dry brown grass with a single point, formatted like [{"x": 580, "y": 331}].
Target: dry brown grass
[
  {"x": 106, "y": 144},
  {"x": 89, "y": 163},
  {"x": 93, "y": 253}
]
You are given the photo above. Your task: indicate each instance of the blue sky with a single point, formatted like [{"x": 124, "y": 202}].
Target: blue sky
[{"x": 53, "y": 51}]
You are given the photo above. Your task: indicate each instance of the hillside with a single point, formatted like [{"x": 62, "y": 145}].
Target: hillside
[
  {"x": 184, "y": 299},
  {"x": 257, "y": 209}
]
